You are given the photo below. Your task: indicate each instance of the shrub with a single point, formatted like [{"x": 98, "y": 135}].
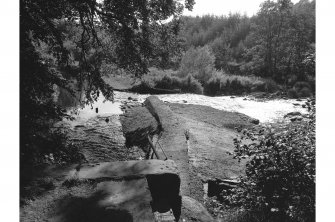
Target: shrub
[
  {"x": 144, "y": 87},
  {"x": 213, "y": 86},
  {"x": 280, "y": 173},
  {"x": 187, "y": 85},
  {"x": 199, "y": 62},
  {"x": 191, "y": 85},
  {"x": 221, "y": 83},
  {"x": 305, "y": 92},
  {"x": 292, "y": 93},
  {"x": 300, "y": 89}
]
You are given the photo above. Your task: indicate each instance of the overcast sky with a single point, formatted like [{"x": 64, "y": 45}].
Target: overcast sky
[{"x": 223, "y": 7}]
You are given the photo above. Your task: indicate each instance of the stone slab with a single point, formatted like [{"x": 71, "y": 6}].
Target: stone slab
[
  {"x": 125, "y": 169},
  {"x": 173, "y": 139}
]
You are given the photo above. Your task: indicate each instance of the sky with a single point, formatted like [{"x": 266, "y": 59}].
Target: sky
[{"x": 223, "y": 7}]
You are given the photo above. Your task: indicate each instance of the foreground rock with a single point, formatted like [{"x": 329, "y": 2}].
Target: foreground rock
[{"x": 111, "y": 191}]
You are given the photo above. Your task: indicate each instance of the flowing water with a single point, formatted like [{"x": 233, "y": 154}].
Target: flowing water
[
  {"x": 266, "y": 111},
  {"x": 98, "y": 131}
]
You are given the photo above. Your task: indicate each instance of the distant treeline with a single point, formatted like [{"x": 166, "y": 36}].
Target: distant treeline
[{"x": 277, "y": 44}]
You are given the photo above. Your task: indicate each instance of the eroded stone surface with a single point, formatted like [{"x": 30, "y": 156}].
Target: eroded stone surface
[
  {"x": 137, "y": 124},
  {"x": 173, "y": 139},
  {"x": 124, "y": 169}
]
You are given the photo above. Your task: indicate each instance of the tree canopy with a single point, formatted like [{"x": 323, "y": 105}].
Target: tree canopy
[{"x": 75, "y": 38}]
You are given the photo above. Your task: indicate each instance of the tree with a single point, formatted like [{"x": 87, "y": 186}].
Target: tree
[
  {"x": 168, "y": 45},
  {"x": 126, "y": 23},
  {"x": 198, "y": 62},
  {"x": 282, "y": 36}
]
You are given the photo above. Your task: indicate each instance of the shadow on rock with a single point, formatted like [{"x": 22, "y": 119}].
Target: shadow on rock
[{"x": 79, "y": 209}]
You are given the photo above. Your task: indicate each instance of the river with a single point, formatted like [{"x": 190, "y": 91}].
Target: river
[
  {"x": 266, "y": 111},
  {"x": 97, "y": 129}
]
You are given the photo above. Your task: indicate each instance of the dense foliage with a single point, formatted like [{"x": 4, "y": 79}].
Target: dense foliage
[
  {"x": 72, "y": 44},
  {"x": 223, "y": 84},
  {"x": 277, "y": 43},
  {"x": 79, "y": 40},
  {"x": 280, "y": 174}
]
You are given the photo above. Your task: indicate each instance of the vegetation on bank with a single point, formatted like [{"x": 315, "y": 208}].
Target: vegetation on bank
[
  {"x": 277, "y": 45},
  {"x": 218, "y": 84},
  {"x": 279, "y": 184}
]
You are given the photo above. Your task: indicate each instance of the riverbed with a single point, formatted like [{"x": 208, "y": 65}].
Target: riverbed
[{"x": 266, "y": 111}]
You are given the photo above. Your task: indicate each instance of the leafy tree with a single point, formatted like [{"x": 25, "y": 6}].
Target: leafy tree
[
  {"x": 80, "y": 32},
  {"x": 199, "y": 62},
  {"x": 168, "y": 45},
  {"x": 280, "y": 40}
]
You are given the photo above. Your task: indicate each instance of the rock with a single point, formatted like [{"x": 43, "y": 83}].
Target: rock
[
  {"x": 137, "y": 125},
  {"x": 184, "y": 101},
  {"x": 296, "y": 118},
  {"x": 296, "y": 104},
  {"x": 107, "y": 120},
  {"x": 233, "y": 97},
  {"x": 254, "y": 121},
  {"x": 129, "y": 98},
  {"x": 292, "y": 114},
  {"x": 245, "y": 99},
  {"x": 192, "y": 210},
  {"x": 173, "y": 137}
]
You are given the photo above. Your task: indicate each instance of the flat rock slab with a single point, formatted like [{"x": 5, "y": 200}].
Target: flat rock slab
[
  {"x": 130, "y": 190},
  {"x": 125, "y": 169},
  {"x": 173, "y": 139}
]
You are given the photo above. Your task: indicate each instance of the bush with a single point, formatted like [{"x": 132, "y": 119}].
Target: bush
[
  {"x": 222, "y": 83},
  {"x": 191, "y": 85},
  {"x": 292, "y": 93},
  {"x": 300, "y": 89},
  {"x": 199, "y": 62},
  {"x": 213, "y": 87},
  {"x": 187, "y": 85},
  {"x": 280, "y": 173},
  {"x": 48, "y": 146}
]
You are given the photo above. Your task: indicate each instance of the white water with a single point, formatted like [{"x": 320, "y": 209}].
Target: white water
[{"x": 265, "y": 111}]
